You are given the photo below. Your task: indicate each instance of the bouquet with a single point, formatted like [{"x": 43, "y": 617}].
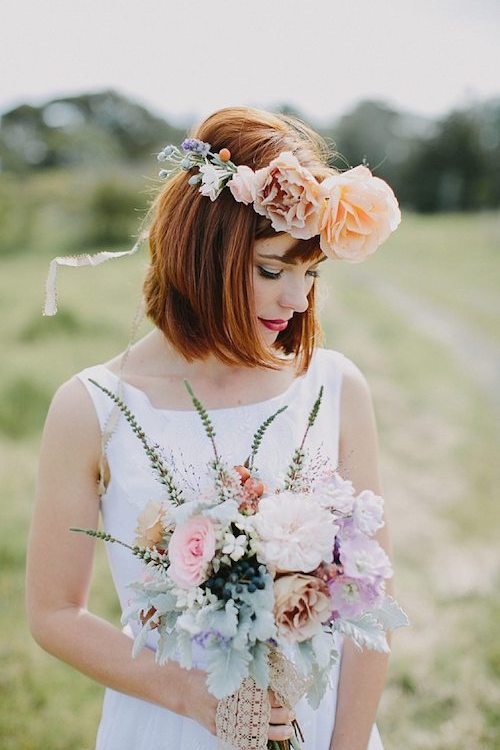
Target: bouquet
[{"x": 260, "y": 581}]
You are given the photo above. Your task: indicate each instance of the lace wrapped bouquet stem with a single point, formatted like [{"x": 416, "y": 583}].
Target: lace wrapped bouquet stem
[{"x": 246, "y": 575}]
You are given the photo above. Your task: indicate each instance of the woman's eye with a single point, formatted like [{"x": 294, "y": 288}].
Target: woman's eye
[
  {"x": 313, "y": 272},
  {"x": 269, "y": 274}
]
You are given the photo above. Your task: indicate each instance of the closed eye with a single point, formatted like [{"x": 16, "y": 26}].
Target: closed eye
[
  {"x": 314, "y": 273},
  {"x": 269, "y": 274}
]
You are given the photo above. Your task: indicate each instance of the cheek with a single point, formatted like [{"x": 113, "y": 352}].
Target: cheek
[{"x": 260, "y": 290}]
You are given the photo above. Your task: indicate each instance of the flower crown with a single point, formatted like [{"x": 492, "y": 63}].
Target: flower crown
[{"x": 353, "y": 212}]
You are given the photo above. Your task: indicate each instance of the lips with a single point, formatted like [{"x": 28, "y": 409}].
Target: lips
[{"x": 274, "y": 325}]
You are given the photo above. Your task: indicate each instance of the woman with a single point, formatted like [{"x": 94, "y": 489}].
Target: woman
[{"x": 231, "y": 294}]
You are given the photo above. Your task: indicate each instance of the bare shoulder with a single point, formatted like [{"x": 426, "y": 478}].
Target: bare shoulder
[
  {"x": 355, "y": 387},
  {"x": 71, "y": 425},
  {"x": 358, "y": 429}
]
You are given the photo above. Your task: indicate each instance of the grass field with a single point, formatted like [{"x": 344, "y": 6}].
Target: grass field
[{"x": 421, "y": 319}]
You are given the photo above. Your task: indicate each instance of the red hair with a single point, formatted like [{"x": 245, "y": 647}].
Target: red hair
[{"x": 198, "y": 289}]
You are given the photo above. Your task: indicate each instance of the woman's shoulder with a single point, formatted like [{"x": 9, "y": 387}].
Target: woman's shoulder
[
  {"x": 355, "y": 394},
  {"x": 332, "y": 360},
  {"x": 74, "y": 401}
]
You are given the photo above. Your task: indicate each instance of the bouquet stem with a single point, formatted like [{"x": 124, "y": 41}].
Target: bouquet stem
[{"x": 292, "y": 744}]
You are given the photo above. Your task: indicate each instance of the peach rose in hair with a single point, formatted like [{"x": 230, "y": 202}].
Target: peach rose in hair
[
  {"x": 289, "y": 195},
  {"x": 357, "y": 215}
]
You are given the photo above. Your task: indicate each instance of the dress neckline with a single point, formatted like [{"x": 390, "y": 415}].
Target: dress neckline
[{"x": 219, "y": 410}]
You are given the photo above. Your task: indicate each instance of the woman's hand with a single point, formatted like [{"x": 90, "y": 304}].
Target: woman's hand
[
  {"x": 280, "y": 723},
  {"x": 201, "y": 706}
]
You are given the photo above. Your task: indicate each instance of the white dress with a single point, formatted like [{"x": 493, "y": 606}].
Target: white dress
[{"x": 129, "y": 723}]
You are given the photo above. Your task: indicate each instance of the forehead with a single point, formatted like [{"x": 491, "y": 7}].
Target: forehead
[{"x": 289, "y": 248}]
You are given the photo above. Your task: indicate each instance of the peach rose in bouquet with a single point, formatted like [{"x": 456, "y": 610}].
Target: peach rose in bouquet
[
  {"x": 152, "y": 525},
  {"x": 357, "y": 215},
  {"x": 302, "y": 604}
]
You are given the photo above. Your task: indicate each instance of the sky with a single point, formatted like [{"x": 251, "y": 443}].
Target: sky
[{"x": 186, "y": 59}]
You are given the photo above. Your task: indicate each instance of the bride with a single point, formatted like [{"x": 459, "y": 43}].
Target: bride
[{"x": 231, "y": 292}]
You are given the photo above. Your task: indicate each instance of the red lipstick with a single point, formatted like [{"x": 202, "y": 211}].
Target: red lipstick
[{"x": 274, "y": 325}]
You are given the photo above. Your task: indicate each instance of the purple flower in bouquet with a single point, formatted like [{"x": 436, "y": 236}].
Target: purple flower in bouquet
[
  {"x": 364, "y": 558},
  {"x": 350, "y": 597}
]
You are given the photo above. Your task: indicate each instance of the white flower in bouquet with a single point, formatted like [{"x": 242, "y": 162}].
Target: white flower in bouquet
[
  {"x": 234, "y": 546},
  {"x": 295, "y": 532},
  {"x": 336, "y": 493},
  {"x": 368, "y": 512}
]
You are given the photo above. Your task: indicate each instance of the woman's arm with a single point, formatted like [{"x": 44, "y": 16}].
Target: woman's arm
[
  {"x": 362, "y": 673},
  {"x": 59, "y": 574},
  {"x": 60, "y": 566}
]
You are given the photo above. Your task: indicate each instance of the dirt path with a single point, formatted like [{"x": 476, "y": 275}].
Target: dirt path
[{"x": 475, "y": 352}]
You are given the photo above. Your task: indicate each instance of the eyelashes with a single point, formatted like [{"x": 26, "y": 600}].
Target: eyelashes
[
  {"x": 266, "y": 274},
  {"x": 269, "y": 274}
]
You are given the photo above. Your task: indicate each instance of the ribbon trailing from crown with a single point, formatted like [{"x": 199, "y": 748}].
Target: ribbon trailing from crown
[{"x": 77, "y": 261}]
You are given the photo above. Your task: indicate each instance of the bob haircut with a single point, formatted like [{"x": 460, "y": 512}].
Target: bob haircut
[{"x": 198, "y": 288}]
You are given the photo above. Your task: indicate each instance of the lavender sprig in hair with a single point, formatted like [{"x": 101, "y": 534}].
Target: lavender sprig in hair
[{"x": 215, "y": 170}]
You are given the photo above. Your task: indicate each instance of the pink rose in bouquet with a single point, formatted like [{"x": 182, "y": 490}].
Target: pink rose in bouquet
[{"x": 191, "y": 548}]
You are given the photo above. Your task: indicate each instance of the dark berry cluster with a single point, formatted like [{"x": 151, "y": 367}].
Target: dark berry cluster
[{"x": 229, "y": 582}]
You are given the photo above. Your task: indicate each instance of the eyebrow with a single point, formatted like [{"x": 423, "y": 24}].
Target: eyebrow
[{"x": 283, "y": 259}]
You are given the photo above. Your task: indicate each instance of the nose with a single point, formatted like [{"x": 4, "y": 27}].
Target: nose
[{"x": 294, "y": 295}]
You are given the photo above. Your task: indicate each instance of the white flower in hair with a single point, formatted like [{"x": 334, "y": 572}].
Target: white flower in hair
[{"x": 211, "y": 181}]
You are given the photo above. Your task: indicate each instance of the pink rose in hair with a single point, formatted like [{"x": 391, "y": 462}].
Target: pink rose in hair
[
  {"x": 191, "y": 547},
  {"x": 289, "y": 195},
  {"x": 358, "y": 214},
  {"x": 242, "y": 185}
]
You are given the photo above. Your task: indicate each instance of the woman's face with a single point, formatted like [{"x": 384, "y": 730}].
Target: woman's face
[{"x": 280, "y": 285}]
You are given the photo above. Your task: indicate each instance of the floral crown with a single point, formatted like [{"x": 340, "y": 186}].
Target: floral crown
[{"x": 353, "y": 212}]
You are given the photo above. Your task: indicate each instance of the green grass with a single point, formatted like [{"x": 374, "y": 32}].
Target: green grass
[{"x": 439, "y": 435}]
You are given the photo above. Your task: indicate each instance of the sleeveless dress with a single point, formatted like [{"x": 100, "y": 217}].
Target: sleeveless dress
[{"x": 128, "y": 723}]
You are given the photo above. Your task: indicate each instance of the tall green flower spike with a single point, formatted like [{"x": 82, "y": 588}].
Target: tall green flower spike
[
  {"x": 144, "y": 553},
  {"x": 257, "y": 438},
  {"x": 163, "y": 473},
  {"x": 207, "y": 424},
  {"x": 292, "y": 480}
]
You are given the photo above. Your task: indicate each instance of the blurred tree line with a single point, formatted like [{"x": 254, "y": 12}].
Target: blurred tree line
[{"x": 72, "y": 170}]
